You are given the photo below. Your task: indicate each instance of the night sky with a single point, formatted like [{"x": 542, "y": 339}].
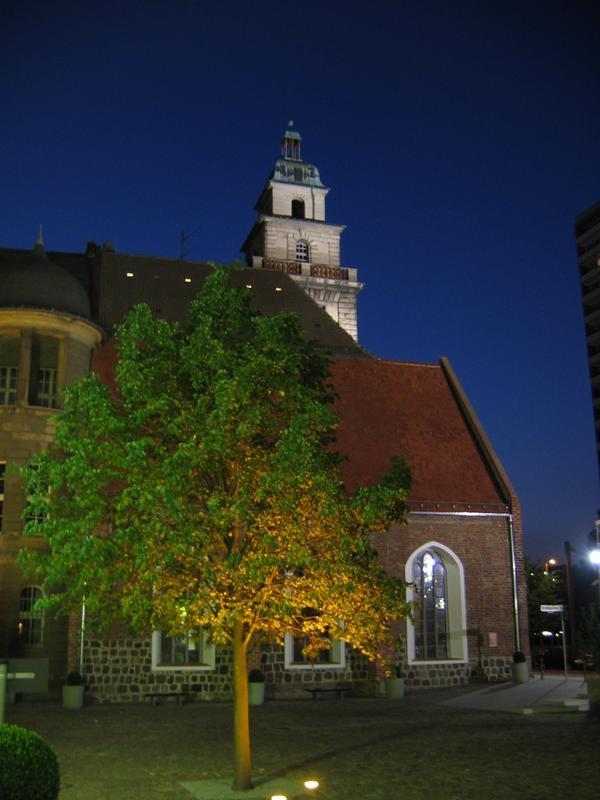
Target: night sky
[{"x": 459, "y": 140}]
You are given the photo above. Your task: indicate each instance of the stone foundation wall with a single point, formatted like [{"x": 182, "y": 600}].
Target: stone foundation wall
[{"x": 120, "y": 670}]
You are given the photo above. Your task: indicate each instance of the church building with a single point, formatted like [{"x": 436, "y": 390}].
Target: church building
[{"x": 461, "y": 552}]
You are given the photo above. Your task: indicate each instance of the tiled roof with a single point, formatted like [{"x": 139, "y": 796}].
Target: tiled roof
[
  {"x": 390, "y": 408},
  {"x": 168, "y": 286}
]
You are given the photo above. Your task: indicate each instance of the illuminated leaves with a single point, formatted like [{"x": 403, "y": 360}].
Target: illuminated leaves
[{"x": 204, "y": 491}]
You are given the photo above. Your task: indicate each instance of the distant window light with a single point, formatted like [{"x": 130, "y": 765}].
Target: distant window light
[
  {"x": 187, "y": 280},
  {"x": 129, "y": 274},
  {"x": 278, "y": 289},
  {"x": 248, "y": 286}
]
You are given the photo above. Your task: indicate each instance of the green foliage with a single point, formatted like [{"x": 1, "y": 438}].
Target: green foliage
[
  {"x": 544, "y": 587},
  {"x": 74, "y": 679},
  {"x": 205, "y": 492},
  {"x": 256, "y": 676},
  {"x": 28, "y": 766},
  {"x": 519, "y": 657},
  {"x": 588, "y": 635}
]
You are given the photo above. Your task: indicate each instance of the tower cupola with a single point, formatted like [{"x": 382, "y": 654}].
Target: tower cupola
[{"x": 291, "y": 144}]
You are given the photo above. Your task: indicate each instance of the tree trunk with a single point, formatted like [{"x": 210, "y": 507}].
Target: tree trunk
[{"x": 241, "y": 723}]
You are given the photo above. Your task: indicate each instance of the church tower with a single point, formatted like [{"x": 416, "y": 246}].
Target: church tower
[{"x": 291, "y": 235}]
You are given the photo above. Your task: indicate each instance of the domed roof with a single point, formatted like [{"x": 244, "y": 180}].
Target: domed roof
[{"x": 33, "y": 281}]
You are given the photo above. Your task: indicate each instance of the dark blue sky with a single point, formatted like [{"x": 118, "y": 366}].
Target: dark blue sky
[{"x": 459, "y": 141}]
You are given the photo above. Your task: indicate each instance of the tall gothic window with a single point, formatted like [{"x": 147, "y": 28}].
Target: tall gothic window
[
  {"x": 431, "y": 611},
  {"x": 302, "y": 250}
]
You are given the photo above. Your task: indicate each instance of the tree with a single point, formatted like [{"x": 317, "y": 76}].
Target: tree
[
  {"x": 203, "y": 493},
  {"x": 545, "y": 586}
]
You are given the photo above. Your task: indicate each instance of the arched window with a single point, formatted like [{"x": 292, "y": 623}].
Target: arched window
[
  {"x": 431, "y": 619},
  {"x": 298, "y": 209},
  {"x": 31, "y": 619},
  {"x": 438, "y": 629},
  {"x": 302, "y": 250}
]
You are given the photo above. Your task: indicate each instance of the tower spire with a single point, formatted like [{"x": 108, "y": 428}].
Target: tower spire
[{"x": 38, "y": 247}]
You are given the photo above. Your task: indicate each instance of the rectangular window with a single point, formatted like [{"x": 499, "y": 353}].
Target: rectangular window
[
  {"x": 191, "y": 651},
  {"x": 43, "y": 374},
  {"x": 45, "y": 388},
  {"x": 2, "y": 476},
  {"x": 334, "y": 656},
  {"x": 8, "y": 386},
  {"x": 9, "y": 369}
]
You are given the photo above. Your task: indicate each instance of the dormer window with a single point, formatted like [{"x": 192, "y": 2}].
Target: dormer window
[
  {"x": 302, "y": 251},
  {"x": 298, "y": 209}
]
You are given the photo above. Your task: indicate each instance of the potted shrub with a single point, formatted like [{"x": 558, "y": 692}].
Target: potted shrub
[
  {"x": 72, "y": 691},
  {"x": 394, "y": 682},
  {"x": 519, "y": 668},
  {"x": 256, "y": 687}
]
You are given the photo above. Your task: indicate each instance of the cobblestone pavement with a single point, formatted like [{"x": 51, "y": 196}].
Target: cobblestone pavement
[{"x": 358, "y": 748}]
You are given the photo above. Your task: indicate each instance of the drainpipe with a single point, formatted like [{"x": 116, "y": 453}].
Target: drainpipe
[
  {"x": 513, "y": 565},
  {"x": 513, "y": 559}
]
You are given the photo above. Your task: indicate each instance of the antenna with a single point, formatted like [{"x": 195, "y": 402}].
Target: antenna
[{"x": 183, "y": 239}]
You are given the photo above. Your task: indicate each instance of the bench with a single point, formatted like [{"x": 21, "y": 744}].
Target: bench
[
  {"x": 339, "y": 691},
  {"x": 156, "y": 697}
]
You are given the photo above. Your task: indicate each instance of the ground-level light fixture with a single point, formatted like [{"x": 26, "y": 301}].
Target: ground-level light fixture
[
  {"x": 278, "y": 797},
  {"x": 311, "y": 784}
]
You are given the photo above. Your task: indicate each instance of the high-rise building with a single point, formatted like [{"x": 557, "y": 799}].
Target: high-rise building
[{"x": 587, "y": 234}]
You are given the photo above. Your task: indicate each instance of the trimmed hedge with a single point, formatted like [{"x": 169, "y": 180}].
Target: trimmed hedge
[{"x": 28, "y": 766}]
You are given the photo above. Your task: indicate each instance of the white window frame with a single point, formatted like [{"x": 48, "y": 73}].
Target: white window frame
[
  {"x": 457, "y": 612},
  {"x": 2, "y": 489},
  {"x": 302, "y": 251},
  {"x": 208, "y": 651},
  {"x": 337, "y": 661},
  {"x": 46, "y": 387},
  {"x": 8, "y": 385}
]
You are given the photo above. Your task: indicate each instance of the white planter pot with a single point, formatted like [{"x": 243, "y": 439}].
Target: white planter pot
[
  {"x": 394, "y": 688},
  {"x": 72, "y": 697},
  {"x": 256, "y": 694},
  {"x": 520, "y": 671}
]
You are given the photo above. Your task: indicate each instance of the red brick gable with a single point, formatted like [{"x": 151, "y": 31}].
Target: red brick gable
[{"x": 390, "y": 407}]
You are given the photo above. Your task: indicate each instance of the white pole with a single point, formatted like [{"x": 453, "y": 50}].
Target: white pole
[
  {"x": 81, "y": 635},
  {"x": 564, "y": 643},
  {"x": 3, "y": 676}
]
